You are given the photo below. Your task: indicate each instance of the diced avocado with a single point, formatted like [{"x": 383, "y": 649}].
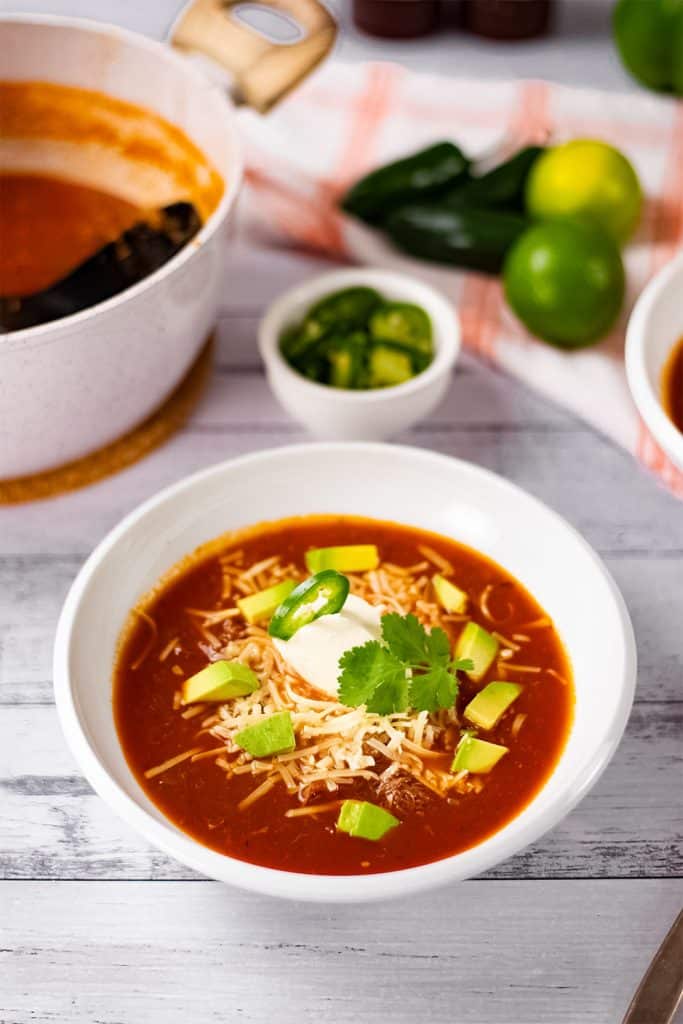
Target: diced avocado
[
  {"x": 260, "y": 606},
  {"x": 389, "y": 366},
  {"x": 221, "y": 680},
  {"x": 479, "y": 646},
  {"x": 489, "y": 705},
  {"x": 364, "y": 820},
  {"x": 272, "y": 735},
  {"x": 452, "y": 598},
  {"x": 476, "y": 756},
  {"x": 349, "y": 558}
]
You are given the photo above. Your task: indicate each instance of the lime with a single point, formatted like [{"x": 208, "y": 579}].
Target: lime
[
  {"x": 586, "y": 178},
  {"x": 649, "y": 37},
  {"x": 565, "y": 281}
]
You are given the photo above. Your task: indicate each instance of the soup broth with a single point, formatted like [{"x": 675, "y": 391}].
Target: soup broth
[
  {"x": 672, "y": 385},
  {"x": 264, "y": 809},
  {"x": 48, "y": 226}
]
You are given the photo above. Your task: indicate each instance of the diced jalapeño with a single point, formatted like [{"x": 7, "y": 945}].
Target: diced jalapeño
[
  {"x": 403, "y": 324},
  {"x": 348, "y": 307},
  {"x": 389, "y": 366}
]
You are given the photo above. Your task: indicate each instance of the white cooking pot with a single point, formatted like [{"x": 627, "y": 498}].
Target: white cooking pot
[{"x": 71, "y": 386}]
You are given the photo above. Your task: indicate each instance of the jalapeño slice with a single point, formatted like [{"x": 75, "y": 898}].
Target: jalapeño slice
[
  {"x": 322, "y": 594},
  {"x": 404, "y": 324}
]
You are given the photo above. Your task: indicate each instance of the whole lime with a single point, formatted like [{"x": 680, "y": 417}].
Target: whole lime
[
  {"x": 586, "y": 178},
  {"x": 649, "y": 37},
  {"x": 565, "y": 281}
]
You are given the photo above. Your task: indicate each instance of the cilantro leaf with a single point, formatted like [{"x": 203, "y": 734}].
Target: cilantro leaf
[
  {"x": 373, "y": 676},
  {"x": 438, "y": 647},
  {"x": 432, "y": 690},
  {"x": 406, "y": 637},
  {"x": 410, "y": 667}
]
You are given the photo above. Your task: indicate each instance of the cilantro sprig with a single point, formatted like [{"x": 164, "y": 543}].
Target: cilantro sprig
[{"x": 408, "y": 668}]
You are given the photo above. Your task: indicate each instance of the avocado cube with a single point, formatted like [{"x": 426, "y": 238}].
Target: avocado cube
[
  {"x": 272, "y": 735},
  {"x": 365, "y": 820},
  {"x": 221, "y": 680},
  {"x": 348, "y": 558},
  {"x": 476, "y": 756},
  {"x": 480, "y": 647},
  {"x": 450, "y": 597},
  {"x": 491, "y": 703},
  {"x": 260, "y": 606}
]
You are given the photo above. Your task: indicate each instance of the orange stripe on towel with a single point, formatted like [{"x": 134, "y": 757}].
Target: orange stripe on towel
[
  {"x": 483, "y": 299},
  {"x": 315, "y": 221},
  {"x": 358, "y": 153},
  {"x": 652, "y": 456}
]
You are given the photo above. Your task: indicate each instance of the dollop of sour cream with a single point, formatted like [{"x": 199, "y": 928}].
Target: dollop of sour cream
[{"x": 314, "y": 650}]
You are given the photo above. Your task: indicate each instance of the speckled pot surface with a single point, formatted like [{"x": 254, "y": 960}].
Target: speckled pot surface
[{"x": 70, "y": 387}]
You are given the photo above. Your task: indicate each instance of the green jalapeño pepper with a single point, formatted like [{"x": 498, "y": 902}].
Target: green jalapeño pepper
[
  {"x": 503, "y": 187},
  {"x": 322, "y": 594},
  {"x": 478, "y": 239},
  {"x": 417, "y": 177}
]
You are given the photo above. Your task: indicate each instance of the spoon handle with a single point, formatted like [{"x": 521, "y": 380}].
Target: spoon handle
[{"x": 659, "y": 993}]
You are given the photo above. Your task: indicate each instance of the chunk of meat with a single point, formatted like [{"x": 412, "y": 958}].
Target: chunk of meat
[{"x": 405, "y": 794}]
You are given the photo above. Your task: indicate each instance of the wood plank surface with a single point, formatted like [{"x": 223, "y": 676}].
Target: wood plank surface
[
  {"x": 98, "y": 928},
  {"x": 476, "y": 953}
]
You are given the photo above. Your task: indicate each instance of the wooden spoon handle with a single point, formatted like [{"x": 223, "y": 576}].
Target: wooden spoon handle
[
  {"x": 263, "y": 70},
  {"x": 659, "y": 994}
]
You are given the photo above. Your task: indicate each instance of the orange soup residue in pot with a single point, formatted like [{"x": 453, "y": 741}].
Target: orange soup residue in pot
[
  {"x": 48, "y": 226},
  {"x": 78, "y": 168}
]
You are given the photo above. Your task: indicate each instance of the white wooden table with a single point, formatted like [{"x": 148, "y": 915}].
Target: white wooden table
[{"x": 98, "y": 928}]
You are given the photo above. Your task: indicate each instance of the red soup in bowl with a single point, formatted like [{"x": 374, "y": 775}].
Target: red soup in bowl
[{"x": 338, "y": 695}]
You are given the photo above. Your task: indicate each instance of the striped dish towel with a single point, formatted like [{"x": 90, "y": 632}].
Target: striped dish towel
[{"x": 348, "y": 119}]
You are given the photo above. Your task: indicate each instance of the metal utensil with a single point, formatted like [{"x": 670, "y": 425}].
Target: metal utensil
[{"x": 660, "y": 992}]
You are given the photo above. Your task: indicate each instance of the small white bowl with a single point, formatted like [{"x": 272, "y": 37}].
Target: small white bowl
[
  {"x": 374, "y": 415},
  {"x": 655, "y": 326},
  {"x": 417, "y": 487}
]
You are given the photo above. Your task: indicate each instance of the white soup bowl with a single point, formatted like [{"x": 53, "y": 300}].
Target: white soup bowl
[{"x": 416, "y": 487}]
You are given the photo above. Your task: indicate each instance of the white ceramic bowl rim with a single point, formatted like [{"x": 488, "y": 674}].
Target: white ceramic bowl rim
[
  {"x": 208, "y": 228},
  {"x": 447, "y": 344},
  {"x": 328, "y": 888},
  {"x": 638, "y": 337}
]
